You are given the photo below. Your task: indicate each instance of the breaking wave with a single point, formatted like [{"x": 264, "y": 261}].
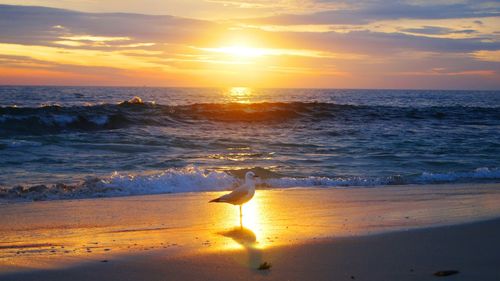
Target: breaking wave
[{"x": 193, "y": 179}]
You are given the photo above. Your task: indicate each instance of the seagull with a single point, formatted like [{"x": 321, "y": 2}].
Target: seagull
[{"x": 240, "y": 195}]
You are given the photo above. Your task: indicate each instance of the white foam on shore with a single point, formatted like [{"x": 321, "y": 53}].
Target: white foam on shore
[
  {"x": 479, "y": 173},
  {"x": 188, "y": 179},
  {"x": 326, "y": 181},
  {"x": 194, "y": 179}
]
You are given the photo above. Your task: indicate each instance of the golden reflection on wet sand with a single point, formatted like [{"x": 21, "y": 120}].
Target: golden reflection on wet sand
[
  {"x": 253, "y": 225},
  {"x": 101, "y": 229},
  {"x": 247, "y": 240}
]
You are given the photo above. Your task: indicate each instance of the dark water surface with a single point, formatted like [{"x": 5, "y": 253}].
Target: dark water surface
[{"x": 181, "y": 139}]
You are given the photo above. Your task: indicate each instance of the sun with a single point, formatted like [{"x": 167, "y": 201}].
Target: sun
[
  {"x": 237, "y": 62},
  {"x": 242, "y": 51},
  {"x": 239, "y": 51}
]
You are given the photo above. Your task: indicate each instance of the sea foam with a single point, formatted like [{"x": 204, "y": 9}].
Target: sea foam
[
  {"x": 194, "y": 179},
  {"x": 188, "y": 179},
  {"x": 479, "y": 173}
]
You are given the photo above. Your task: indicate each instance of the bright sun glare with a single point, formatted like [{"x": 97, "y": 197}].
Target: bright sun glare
[
  {"x": 252, "y": 220},
  {"x": 242, "y": 51},
  {"x": 251, "y": 215},
  {"x": 240, "y": 94}
]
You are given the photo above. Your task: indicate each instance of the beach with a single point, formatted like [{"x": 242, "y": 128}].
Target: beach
[
  {"x": 385, "y": 233},
  {"x": 249, "y": 140}
]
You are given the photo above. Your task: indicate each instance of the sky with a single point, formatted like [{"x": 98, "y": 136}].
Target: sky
[{"x": 413, "y": 44}]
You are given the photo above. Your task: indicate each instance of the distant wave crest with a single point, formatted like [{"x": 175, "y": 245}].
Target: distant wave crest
[{"x": 55, "y": 119}]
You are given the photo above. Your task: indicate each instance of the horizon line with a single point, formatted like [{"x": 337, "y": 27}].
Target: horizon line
[{"x": 251, "y": 87}]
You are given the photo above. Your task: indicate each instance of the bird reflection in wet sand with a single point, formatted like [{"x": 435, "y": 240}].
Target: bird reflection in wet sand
[
  {"x": 240, "y": 195},
  {"x": 241, "y": 235},
  {"x": 248, "y": 240}
]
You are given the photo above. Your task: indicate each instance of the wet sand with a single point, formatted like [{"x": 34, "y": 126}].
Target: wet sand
[
  {"x": 386, "y": 233},
  {"x": 472, "y": 249}
]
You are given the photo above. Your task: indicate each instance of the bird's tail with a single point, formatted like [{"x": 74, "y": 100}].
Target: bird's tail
[{"x": 216, "y": 200}]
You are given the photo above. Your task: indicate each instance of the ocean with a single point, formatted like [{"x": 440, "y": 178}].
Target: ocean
[{"x": 84, "y": 142}]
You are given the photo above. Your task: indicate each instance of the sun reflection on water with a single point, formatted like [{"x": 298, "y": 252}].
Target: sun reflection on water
[{"x": 240, "y": 94}]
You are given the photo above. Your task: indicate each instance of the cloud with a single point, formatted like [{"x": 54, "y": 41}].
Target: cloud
[
  {"x": 40, "y": 25},
  {"x": 118, "y": 31},
  {"x": 492, "y": 56},
  {"x": 369, "y": 42},
  {"x": 445, "y": 72},
  {"x": 372, "y": 11},
  {"x": 437, "y": 30}
]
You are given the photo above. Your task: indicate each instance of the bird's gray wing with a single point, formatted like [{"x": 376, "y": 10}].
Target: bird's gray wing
[{"x": 235, "y": 196}]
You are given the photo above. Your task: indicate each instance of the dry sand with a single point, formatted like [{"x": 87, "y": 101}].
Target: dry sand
[{"x": 388, "y": 233}]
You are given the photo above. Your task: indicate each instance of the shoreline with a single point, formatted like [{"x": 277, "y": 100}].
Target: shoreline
[
  {"x": 47, "y": 237},
  {"x": 27, "y": 199}
]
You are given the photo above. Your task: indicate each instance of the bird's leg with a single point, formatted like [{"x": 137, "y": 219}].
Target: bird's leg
[{"x": 241, "y": 218}]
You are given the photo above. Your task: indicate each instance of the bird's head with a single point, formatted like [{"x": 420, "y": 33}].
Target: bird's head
[{"x": 251, "y": 177}]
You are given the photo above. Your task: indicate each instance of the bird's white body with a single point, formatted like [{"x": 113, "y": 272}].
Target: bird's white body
[{"x": 242, "y": 194}]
